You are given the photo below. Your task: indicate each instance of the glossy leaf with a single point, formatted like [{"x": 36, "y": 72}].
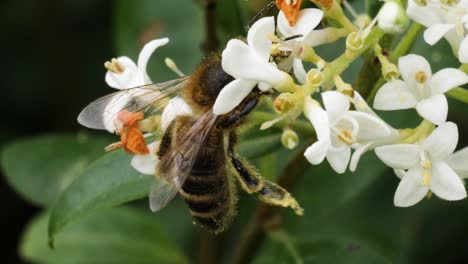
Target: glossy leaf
[
  {"x": 107, "y": 182},
  {"x": 256, "y": 147},
  {"x": 40, "y": 168},
  {"x": 119, "y": 235}
]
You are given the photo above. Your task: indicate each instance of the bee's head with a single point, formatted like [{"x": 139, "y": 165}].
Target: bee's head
[{"x": 206, "y": 82}]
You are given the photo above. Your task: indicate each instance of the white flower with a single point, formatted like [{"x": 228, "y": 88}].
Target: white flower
[
  {"x": 249, "y": 65},
  {"x": 177, "y": 106},
  {"x": 361, "y": 147},
  {"x": 126, "y": 74},
  {"x": 338, "y": 128},
  {"x": 420, "y": 89},
  {"x": 442, "y": 20},
  {"x": 146, "y": 164},
  {"x": 427, "y": 167},
  {"x": 308, "y": 19},
  {"x": 123, "y": 74},
  {"x": 392, "y": 18},
  {"x": 458, "y": 162}
]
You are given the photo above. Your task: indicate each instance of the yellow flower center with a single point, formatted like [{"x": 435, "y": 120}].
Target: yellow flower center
[
  {"x": 420, "y": 77},
  {"x": 346, "y": 136}
]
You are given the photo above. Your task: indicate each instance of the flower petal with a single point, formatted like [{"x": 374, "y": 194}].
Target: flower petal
[
  {"x": 357, "y": 156},
  {"x": 458, "y": 162},
  {"x": 425, "y": 15},
  {"x": 146, "y": 164},
  {"x": 321, "y": 36},
  {"x": 394, "y": 95},
  {"x": 336, "y": 104},
  {"x": 442, "y": 141},
  {"x": 445, "y": 183},
  {"x": 117, "y": 102},
  {"x": 319, "y": 119},
  {"x": 299, "y": 71},
  {"x": 446, "y": 79},
  {"x": 399, "y": 156},
  {"x": 177, "y": 106},
  {"x": 410, "y": 190},
  {"x": 231, "y": 95},
  {"x": 411, "y": 64},
  {"x": 308, "y": 19},
  {"x": 434, "y": 109},
  {"x": 242, "y": 62},
  {"x": 146, "y": 53},
  {"x": 339, "y": 159},
  {"x": 437, "y": 31},
  {"x": 370, "y": 127},
  {"x": 315, "y": 154},
  {"x": 463, "y": 51},
  {"x": 130, "y": 77},
  {"x": 258, "y": 36}
]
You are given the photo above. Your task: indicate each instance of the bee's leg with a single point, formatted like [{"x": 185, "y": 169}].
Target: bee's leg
[
  {"x": 252, "y": 182},
  {"x": 233, "y": 118},
  {"x": 166, "y": 140}
]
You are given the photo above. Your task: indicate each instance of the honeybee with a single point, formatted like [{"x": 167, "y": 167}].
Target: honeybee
[{"x": 197, "y": 152}]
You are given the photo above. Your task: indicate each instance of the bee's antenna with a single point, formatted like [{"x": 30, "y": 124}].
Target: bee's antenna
[
  {"x": 259, "y": 14},
  {"x": 293, "y": 37}
]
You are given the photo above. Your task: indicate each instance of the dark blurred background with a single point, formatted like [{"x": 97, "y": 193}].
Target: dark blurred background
[{"x": 52, "y": 53}]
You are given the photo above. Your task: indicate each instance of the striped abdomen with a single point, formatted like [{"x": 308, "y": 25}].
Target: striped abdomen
[{"x": 207, "y": 190}]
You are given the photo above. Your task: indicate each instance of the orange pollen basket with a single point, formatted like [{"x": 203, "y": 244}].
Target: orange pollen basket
[
  {"x": 291, "y": 11},
  {"x": 131, "y": 138}
]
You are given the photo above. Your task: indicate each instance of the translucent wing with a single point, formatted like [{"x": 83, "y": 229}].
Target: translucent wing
[
  {"x": 177, "y": 163},
  {"x": 102, "y": 113}
]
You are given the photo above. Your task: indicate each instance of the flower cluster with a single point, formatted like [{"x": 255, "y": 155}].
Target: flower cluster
[{"x": 275, "y": 56}]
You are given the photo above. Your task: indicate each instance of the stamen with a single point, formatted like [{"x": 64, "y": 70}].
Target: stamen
[
  {"x": 114, "y": 66},
  {"x": 346, "y": 136},
  {"x": 426, "y": 165},
  {"x": 173, "y": 66},
  {"x": 350, "y": 9},
  {"x": 420, "y": 77}
]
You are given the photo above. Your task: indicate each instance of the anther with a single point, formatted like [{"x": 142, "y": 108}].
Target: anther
[
  {"x": 346, "y": 136},
  {"x": 114, "y": 66},
  {"x": 420, "y": 77}
]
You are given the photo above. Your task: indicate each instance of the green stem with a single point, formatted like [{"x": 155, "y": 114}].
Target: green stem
[
  {"x": 404, "y": 45},
  {"x": 421, "y": 132},
  {"x": 302, "y": 127},
  {"x": 340, "y": 64},
  {"x": 458, "y": 94},
  {"x": 406, "y": 42}
]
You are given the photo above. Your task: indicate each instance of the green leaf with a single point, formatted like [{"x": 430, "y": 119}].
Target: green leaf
[
  {"x": 108, "y": 182},
  {"x": 40, "y": 168},
  {"x": 119, "y": 235},
  {"x": 137, "y": 22},
  {"x": 257, "y": 147},
  {"x": 333, "y": 250},
  {"x": 373, "y": 7}
]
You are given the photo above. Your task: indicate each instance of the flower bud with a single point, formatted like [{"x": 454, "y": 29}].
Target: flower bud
[
  {"x": 284, "y": 103},
  {"x": 392, "y": 18},
  {"x": 289, "y": 138},
  {"x": 315, "y": 77},
  {"x": 354, "y": 41}
]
